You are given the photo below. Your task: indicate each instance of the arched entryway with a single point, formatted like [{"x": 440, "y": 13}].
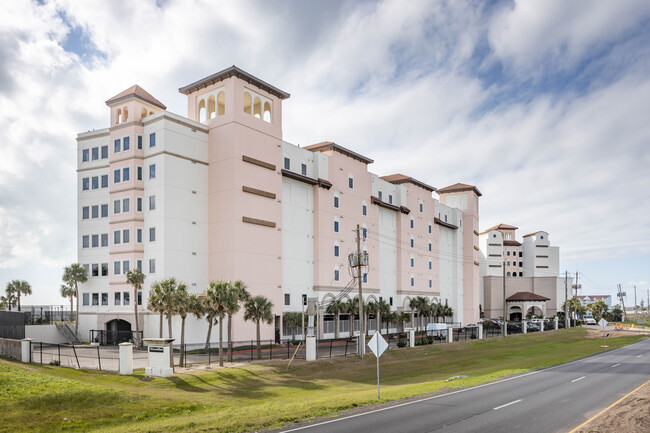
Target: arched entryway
[
  {"x": 535, "y": 311},
  {"x": 118, "y": 331},
  {"x": 514, "y": 314}
]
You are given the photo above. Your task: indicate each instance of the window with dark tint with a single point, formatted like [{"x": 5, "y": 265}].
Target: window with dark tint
[
  {"x": 86, "y": 298},
  {"x": 85, "y": 153},
  {"x": 152, "y": 234},
  {"x": 104, "y": 181},
  {"x": 104, "y": 210},
  {"x": 152, "y": 171},
  {"x": 104, "y": 239},
  {"x": 95, "y": 212},
  {"x": 336, "y": 275},
  {"x": 116, "y": 268},
  {"x": 85, "y": 212},
  {"x": 95, "y": 270},
  {"x": 125, "y": 174},
  {"x": 336, "y": 201},
  {"x": 364, "y": 210},
  {"x": 390, "y": 199},
  {"x": 140, "y": 142},
  {"x": 104, "y": 298},
  {"x": 116, "y": 237},
  {"x": 287, "y": 164},
  {"x": 116, "y": 176},
  {"x": 138, "y": 204},
  {"x": 287, "y": 299},
  {"x": 95, "y": 153},
  {"x": 152, "y": 139},
  {"x": 117, "y": 300},
  {"x": 117, "y": 146},
  {"x": 95, "y": 242},
  {"x": 104, "y": 152},
  {"x": 85, "y": 184},
  {"x": 126, "y": 298},
  {"x": 139, "y": 298},
  {"x": 152, "y": 202},
  {"x": 95, "y": 298},
  {"x": 125, "y": 236},
  {"x": 152, "y": 266},
  {"x": 95, "y": 182},
  {"x": 351, "y": 182},
  {"x": 126, "y": 143},
  {"x": 336, "y": 250},
  {"x": 104, "y": 269},
  {"x": 85, "y": 240},
  {"x": 138, "y": 172},
  {"x": 336, "y": 226},
  {"x": 303, "y": 169}
]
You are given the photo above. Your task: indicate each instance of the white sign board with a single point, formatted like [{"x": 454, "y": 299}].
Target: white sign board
[
  {"x": 436, "y": 327},
  {"x": 603, "y": 323},
  {"x": 377, "y": 344}
]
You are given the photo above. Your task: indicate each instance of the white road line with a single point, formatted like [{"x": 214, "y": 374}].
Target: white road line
[
  {"x": 615, "y": 365},
  {"x": 507, "y": 404},
  {"x": 639, "y": 356},
  {"x": 580, "y": 378}
]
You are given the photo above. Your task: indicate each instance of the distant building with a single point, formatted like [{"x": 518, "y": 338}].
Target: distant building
[
  {"x": 531, "y": 271},
  {"x": 588, "y": 299}
]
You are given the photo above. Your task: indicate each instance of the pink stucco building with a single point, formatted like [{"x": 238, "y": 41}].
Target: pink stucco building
[{"x": 219, "y": 195}]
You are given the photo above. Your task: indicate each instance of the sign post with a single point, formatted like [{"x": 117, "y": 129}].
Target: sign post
[
  {"x": 602, "y": 322},
  {"x": 377, "y": 344}
]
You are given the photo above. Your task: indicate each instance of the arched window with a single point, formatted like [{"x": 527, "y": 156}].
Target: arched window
[
  {"x": 257, "y": 107},
  {"x": 364, "y": 231},
  {"x": 508, "y": 274},
  {"x": 143, "y": 113},
  {"x": 267, "y": 112},
  {"x": 336, "y": 200},
  {"x": 125, "y": 114},
  {"x": 118, "y": 116},
  {"x": 221, "y": 103},
  {"x": 507, "y": 253},
  {"x": 202, "y": 111},
  {"x": 212, "y": 107},
  {"x": 248, "y": 103}
]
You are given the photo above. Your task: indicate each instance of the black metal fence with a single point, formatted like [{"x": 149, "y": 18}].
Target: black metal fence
[
  {"x": 12, "y": 325},
  {"x": 46, "y": 314},
  {"x": 112, "y": 338}
]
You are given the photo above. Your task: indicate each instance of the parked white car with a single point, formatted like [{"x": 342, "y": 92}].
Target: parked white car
[{"x": 590, "y": 321}]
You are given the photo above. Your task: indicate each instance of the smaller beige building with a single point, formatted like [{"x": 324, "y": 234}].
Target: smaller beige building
[{"x": 530, "y": 270}]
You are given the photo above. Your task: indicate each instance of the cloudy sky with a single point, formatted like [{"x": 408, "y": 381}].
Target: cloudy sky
[{"x": 543, "y": 105}]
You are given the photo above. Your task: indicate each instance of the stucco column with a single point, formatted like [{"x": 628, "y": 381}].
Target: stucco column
[
  {"x": 541, "y": 325},
  {"x": 524, "y": 326},
  {"x": 556, "y": 323},
  {"x": 411, "y": 337},
  {"x": 26, "y": 350},
  {"x": 126, "y": 358},
  {"x": 311, "y": 348},
  {"x": 450, "y": 334},
  {"x": 480, "y": 331}
]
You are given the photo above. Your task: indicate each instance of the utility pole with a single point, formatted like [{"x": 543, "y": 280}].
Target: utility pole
[
  {"x": 647, "y": 305},
  {"x": 505, "y": 322},
  {"x": 362, "y": 335},
  {"x": 566, "y": 299},
  {"x": 575, "y": 302},
  {"x": 635, "y": 301},
  {"x": 621, "y": 297}
]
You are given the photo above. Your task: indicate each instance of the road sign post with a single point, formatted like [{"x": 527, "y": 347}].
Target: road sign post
[
  {"x": 602, "y": 322},
  {"x": 377, "y": 344}
]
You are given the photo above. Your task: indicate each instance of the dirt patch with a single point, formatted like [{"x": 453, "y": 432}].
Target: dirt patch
[
  {"x": 632, "y": 415},
  {"x": 207, "y": 367},
  {"x": 597, "y": 333}
]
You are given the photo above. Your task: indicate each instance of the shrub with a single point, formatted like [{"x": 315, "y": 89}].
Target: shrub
[
  {"x": 55, "y": 362},
  {"x": 402, "y": 343}
]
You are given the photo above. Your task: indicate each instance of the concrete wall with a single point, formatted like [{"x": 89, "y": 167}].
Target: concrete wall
[
  {"x": 44, "y": 334},
  {"x": 10, "y": 348}
]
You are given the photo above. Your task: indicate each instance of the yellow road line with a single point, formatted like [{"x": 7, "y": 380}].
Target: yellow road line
[{"x": 608, "y": 408}]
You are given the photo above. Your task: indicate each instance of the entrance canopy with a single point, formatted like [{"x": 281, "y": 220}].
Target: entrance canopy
[{"x": 523, "y": 301}]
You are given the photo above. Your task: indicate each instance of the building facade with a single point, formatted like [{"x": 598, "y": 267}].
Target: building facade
[
  {"x": 219, "y": 195},
  {"x": 530, "y": 270}
]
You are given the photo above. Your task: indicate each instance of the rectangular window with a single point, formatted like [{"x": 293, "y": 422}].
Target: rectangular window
[
  {"x": 117, "y": 300},
  {"x": 430, "y": 283},
  {"x": 138, "y": 172},
  {"x": 139, "y": 297},
  {"x": 85, "y": 240},
  {"x": 104, "y": 239},
  {"x": 104, "y": 269},
  {"x": 126, "y": 143},
  {"x": 411, "y": 223},
  {"x": 139, "y": 142},
  {"x": 152, "y": 171},
  {"x": 138, "y": 235},
  {"x": 336, "y": 250},
  {"x": 126, "y": 174},
  {"x": 152, "y": 202},
  {"x": 152, "y": 234},
  {"x": 104, "y": 181},
  {"x": 390, "y": 199},
  {"x": 351, "y": 182},
  {"x": 85, "y": 184},
  {"x": 126, "y": 266},
  {"x": 104, "y": 152},
  {"x": 95, "y": 153},
  {"x": 412, "y": 244},
  {"x": 138, "y": 204},
  {"x": 364, "y": 210},
  {"x": 429, "y": 246},
  {"x": 429, "y": 264},
  {"x": 303, "y": 169},
  {"x": 126, "y": 298},
  {"x": 95, "y": 270},
  {"x": 95, "y": 241},
  {"x": 95, "y": 211},
  {"x": 412, "y": 282},
  {"x": 380, "y": 195},
  {"x": 104, "y": 298},
  {"x": 86, "y": 298},
  {"x": 152, "y": 139},
  {"x": 85, "y": 155},
  {"x": 421, "y": 207},
  {"x": 336, "y": 226},
  {"x": 152, "y": 266},
  {"x": 85, "y": 212},
  {"x": 126, "y": 205},
  {"x": 117, "y": 206},
  {"x": 365, "y": 233},
  {"x": 412, "y": 262},
  {"x": 138, "y": 265},
  {"x": 336, "y": 274},
  {"x": 125, "y": 236},
  {"x": 117, "y": 146},
  {"x": 429, "y": 228},
  {"x": 87, "y": 269},
  {"x": 104, "y": 210},
  {"x": 336, "y": 201},
  {"x": 287, "y": 164},
  {"x": 95, "y": 182},
  {"x": 95, "y": 298},
  {"x": 117, "y": 236},
  {"x": 116, "y": 176},
  {"x": 287, "y": 299},
  {"x": 365, "y": 277},
  {"x": 116, "y": 268}
]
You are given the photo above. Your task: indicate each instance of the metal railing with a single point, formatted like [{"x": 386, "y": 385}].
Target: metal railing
[{"x": 105, "y": 337}]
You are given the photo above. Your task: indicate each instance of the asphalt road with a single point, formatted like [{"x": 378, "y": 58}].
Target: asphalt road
[{"x": 555, "y": 399}]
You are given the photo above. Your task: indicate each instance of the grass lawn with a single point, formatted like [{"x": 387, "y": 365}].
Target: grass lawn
[{"x": 266, "y": 395}]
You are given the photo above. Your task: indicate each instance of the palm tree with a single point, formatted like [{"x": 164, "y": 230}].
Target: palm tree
[
  {"x": 67, "y": 291},
  {"x": 417, "y": 304},
  {"x": 240, "y": 295},
  {"x": 368, "y": 309},
  {"x": 210, "y": 315},
  {"x": 448, "y": 311},
  {"x": 336, "y": 307},
  {"x": 219, "y": 295},
  {"x": 156, "y": 303},
  {"x": 19, "y": 287},
  {"x": 258, "y": 309},
  {"x": 293, "y": 320},
  {"x": 352, "y": 308},
  {"x": 72, "y": 276},
  {"x": 187, "y": 304},
  {"x": 181, "y": 305},
  {"x": 135, "y": 277},
  {"x": 383, "y": 313},
  {"x": 9, "y": 300}
]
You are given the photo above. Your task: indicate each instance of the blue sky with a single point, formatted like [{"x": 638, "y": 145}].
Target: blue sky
[{"x": 543, "y": 105}]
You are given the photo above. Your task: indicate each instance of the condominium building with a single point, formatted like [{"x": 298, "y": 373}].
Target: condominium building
[
  {"x": 531, "y": 267},
  {"x": 219, "y": 195}
]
